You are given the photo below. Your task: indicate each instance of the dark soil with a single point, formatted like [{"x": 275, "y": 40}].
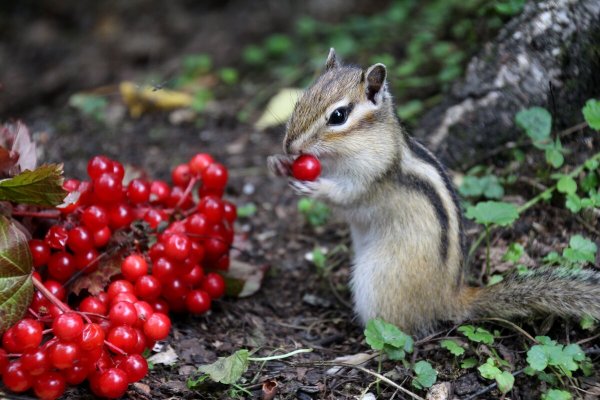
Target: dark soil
[{"x": 50, "y": 50}]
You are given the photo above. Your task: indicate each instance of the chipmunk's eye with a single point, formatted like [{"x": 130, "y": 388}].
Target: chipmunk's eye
[{"x": 338, "y": 116}]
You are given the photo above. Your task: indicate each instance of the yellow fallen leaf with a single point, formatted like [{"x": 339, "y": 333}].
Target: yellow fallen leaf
[
  {"x": 140, "y": 99},
  {"x": 279, "y": 109}
]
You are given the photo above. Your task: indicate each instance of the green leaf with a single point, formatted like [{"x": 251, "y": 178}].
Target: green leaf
[
  {"x": 40, "y": 187},
  {"x": 554, "y": 156},
  {"x": 247, "y": 210},
  {"x": 592, "y": 164},
  {"x": 537, "y": 358},
  {"x": 489, "y": 370},
  {"x": 587, "y": 322},
  {"x": 537, "y": 124},
  {"x": 494, "y": 279},
  {"x": 468, "y": 363},
  {"x": 89, "y": 104},
  {"x": 479, "y": 335},
  {"x": 453, "y": 347},
  {"x": 566, "y": 184},
  {"x": 16, "y": 266},
  {"x": 555, "y": 394},
  {"x": 574, "y": 203},
  {"x": 379, "y": 333},
  {"x": 318, "y": 257},
  {"x": 591, "y": 113},
  {"x": 315, "y": 211},
  {"x": 228, "y": 75},
  {"x": 514, "y": 253},
  {"x": 426, "y": 375},
  {"x": 574, "y": 351},
  {"x": 227, "y": 370},
  {"x": 580, "y": 249},
  {"x": 505, "y": 381},
  {"x": 509, "y": 7},
  {"x": 493, "y": 212}
]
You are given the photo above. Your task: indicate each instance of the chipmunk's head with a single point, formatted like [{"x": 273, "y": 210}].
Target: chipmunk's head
[{"x": 341, "y": 113}]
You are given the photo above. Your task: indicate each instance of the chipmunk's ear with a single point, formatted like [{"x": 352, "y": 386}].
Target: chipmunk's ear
[
  {"x": 331, "y": 62},
  {"x": 375, "y": 76}
]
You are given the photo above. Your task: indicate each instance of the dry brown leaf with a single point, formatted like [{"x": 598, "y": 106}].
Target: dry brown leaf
[{"x": 96, "y": 281}]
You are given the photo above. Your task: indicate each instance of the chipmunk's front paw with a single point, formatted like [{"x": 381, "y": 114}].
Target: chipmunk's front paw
[
  {"x": 305, "y": 188},
  {"x": 280, "y": 165}
]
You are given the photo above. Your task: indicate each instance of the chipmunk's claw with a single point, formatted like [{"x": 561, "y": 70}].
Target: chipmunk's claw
[
  {"x": 304, "y": 188},
  {"x": 280, "y": 165}
]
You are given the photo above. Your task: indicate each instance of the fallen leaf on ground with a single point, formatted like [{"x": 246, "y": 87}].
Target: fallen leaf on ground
[
  {"x": 146, "y": 98},
  {"x": 167, "y": 357},
  {"x": 279, "y": 108},
  {"x": 243, "y": 279}
]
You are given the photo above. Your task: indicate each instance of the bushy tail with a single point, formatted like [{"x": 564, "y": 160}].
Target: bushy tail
[{"x": 542, "y": 291}]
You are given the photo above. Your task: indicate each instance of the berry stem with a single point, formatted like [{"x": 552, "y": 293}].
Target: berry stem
[
  {"x": 48, "y": 294},
  {"x": 50, "y": 214},
  {"x": 187, "y": 191},
  {"x": 114, "y": 348}
]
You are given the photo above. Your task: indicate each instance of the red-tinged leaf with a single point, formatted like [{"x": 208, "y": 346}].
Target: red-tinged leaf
[
  {"x": 18, "y": 150},
  {"x": 96, "y": 281},
  {"x": 16, "y": 265},
  {"x": 41, "y": 187},
  {"x": 25, "y": 149},
  {"x": 7, "y": 160},
  {"x": 243, "y": 279}
]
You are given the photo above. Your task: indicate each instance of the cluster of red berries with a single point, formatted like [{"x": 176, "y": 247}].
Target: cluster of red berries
[{"x": 103, "y": 340}]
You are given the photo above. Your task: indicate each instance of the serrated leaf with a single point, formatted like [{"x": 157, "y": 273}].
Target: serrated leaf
[
  {"x": 279, "y": 109},
  {"x": 514, "y": 253},
  {"x": 489, "y": 370},
  {"x": 556, "y": 394},
  {"x": 16, "y": 266},
  {"x": 493, "y": 212},
  {"x": 227, "y": 370},
  {"x": 379, "y": 333},
  {"x": 468, "y": 363},
  {"x": 479, "y": 335},
  {"x": 537, "y": 124},
  {"x": 537, "y": 358},
  {"x": 580, "y": 249},
  {"x": 453, "y": 347},
  {"x": 41, "y": 187},
  {"x": 591, "y": 113},
  {"x": 574, "y": 351},
  {"x": 566, "y": 184},
  {"x": 95, "y": 281},
  {"x": 505, "y": 381},
  {"x": 426, "y": 375}
]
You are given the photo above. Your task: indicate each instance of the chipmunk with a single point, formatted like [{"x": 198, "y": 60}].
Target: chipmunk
[{"x": 404, "y": 216}]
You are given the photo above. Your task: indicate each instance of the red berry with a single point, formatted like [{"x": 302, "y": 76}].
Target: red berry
[
  {"x": 215, "y": 248},
  {"x": 80, "y": 240},
  {"x": 214, "y": 285},
  {"x": 229, "y": 211},
  {"x": 87, "y": 261},
  {"x": 154, "y": 217},
  {"x": 144, "y": 310},
  {"x": 57, "y": 237},
  {"x": 181, "y": 175},
  {"x": 61, "y": 266},
  {"x": 67, "y": 326},
  {"x": 40, "y": 252},
  {"x": 194, "y": 277},
  {"x": 49, "y": 386},
  {"x": 27, "y": 334},
  {"x": 112, "y": 383},
  {"x": 35, "y": 361},
  {"x": 123, "y": 337},
  {"x": 306, "y": 168},
  {"x": 120, "y": 216},
  {"x": 76, "y": 374},
  {"x": 8, "y": 341},
  {"x": 197, "y": 302},
  {"x": 197, "y": 224},
  {"x": 92, "y": 337},
  {"x": 157, "y": 326},
  {"x": 135, "y": 366},
  {"x": 119, "y": 286},
  {"x": 56, "y": 289},
  {"x": 174, "y": 289},
  {"x": 177, "y": 246},
  {"x": 200, "y": 162},
  {"x": 215, "y": 176},
  {"x": 99, "y": 165},
  {"x": 138, "y": 191},
  {"x": 133, "y": 267},
  {"x": 148, "y": 287},
  {"x": 15, "y": 378},
  {"x": 128, "y": 297},
  {"x": 102, "y": 237},
  {"x": 160, "y": 306},
  {"x": 63, "y": 355},
  {"x": 123, "y": 313},
  {"x": 212, "y": 208},
  {"x": 70, "y": 185},
  {"x": 159, "y": 192},
  {"x": 92, "y": 305},
  {"x": 94, "y": 217},
  {"x": 118, "y": 170},
  {"x": 108, "y": 188},
  {"x": 163, "y": 269}
]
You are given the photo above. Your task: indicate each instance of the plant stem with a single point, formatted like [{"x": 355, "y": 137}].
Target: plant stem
[
  {"x": 487, "y": 252},
  {"x": 280, "y": 356},
  {"x": 48, "y": 294},
  {"x": 50, "y": 214},
  {"x": 379, "y": 372}
]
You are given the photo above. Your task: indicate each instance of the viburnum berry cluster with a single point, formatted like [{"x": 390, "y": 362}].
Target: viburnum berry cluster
[{"x": 169, "y": 246}]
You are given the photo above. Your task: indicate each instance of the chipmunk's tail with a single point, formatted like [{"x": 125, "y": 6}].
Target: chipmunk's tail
[{"x": 542, "y": 291}]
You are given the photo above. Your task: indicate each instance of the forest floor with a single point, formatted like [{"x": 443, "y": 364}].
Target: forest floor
[{"x": 296, "y": 307}]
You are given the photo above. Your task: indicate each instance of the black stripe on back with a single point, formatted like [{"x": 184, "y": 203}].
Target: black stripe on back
[
  {"x": 413, "y": 182},
  {"x": 425, "y": 155}
]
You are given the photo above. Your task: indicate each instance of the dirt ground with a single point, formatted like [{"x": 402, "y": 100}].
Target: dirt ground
[{"x": 50, "y": 51}]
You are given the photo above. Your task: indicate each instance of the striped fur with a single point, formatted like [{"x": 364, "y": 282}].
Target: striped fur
[{"x": 404, "y": 215}]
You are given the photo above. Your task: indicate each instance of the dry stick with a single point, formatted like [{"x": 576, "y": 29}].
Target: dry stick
[
  {"x": 490, "y": 387},
  {"x": 514, "y": 326},
  {"x": 363, "y": 369},
  {"x": 534, "y": 201}
]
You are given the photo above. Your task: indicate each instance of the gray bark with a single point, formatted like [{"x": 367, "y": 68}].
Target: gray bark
[{"x": 548, "y": 56}]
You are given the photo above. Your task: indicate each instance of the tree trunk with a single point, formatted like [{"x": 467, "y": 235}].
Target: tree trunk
[{"x": 548, "y": 56}]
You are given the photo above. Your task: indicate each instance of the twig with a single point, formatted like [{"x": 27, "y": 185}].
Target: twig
[
  {"x": 280, "y": 356},
  {"x": 363, "y": 369},
  {"x": 512, "y": 325},
  {"x": 582, "y": 341},
  {"x": 490, "y": 387}
]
